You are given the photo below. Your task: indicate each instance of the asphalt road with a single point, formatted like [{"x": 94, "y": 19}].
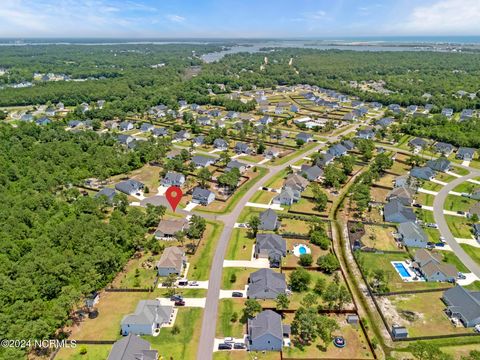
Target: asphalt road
[
  {"x": 439, "y": 217},
  {"x": 207, "y": 335}
]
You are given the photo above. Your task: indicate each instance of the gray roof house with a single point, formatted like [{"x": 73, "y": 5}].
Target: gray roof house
[
  {"x": 368, "y": 133},
  {"x": 403, "y": 194},
  {"x": 234, "y": 164},
  {"x": 394, "y": 211},
  {"x": 463, "y": 304},
  {"x": 448, "y": 112},
  {"x": 146, "y": 127},
  {"x": 220, "y": 144},
  {"x": 441, "y": 164},
  {"x": 242, "y": 148},
  {"x": 312, "y": 173},
  {"x": 173, "y": 178},
  {"x": 108, "y": 193},
  {"x": 348, "y": 144},
  {"x": 296, "y": 182},
  {"x": 412, "y": 235},
  {"x": 399, "y": 332},
  {"x": 148, "y": 318},
  {"x": 337, "y": 150},
  {"x": 160, "y": 132},
  {"x": 465, "y": 153},
  {"x": 173, "y": 258},
  {"x": 204, "y": 120},
  {"x": 424, "y": 173},
  {"x": 444, "y": 148},
  {"x": 417, "y": 143},
  {"x": 202, "y": 196},
  {"x": 304, "y": 137},
  {"x": 203, "y": 161},
  {"x": 476, "y": 231},
  {"x": 268, "y": 220},
  {"x": 287, "y": 196},
  {"x": 272, "y": 247},
  {"x": 125, "y": 126},
  {"x": 130, "y": 186},
  {"x": 181, "y": 135},
  {"x": 431, "y": 266},
  {"x": 125, "y": 139},
  {"x": 324, "y": 160},
  {"x": 266, "y": 284},
  {"x": 384, "y": 122},
  {"x": 199, "y": 140},
  {"x": 265, "y": 120},
  {"x": 132, "y": 347},
  {"x": 271, "y": 153},
  {"x": 265, "y": 332},
  {"x": 406, "y": 181}
]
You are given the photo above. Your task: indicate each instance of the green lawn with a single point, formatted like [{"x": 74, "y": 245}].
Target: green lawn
[
  {"x": 201, "y": 261},
  {"x": 428, "y": 185},
  {"x": 458, "y": 203},
  {"x": 425, "y": 199},
  {"x": 247, "y": 213},
  {"x": 450, "y": 258},
  {"x": 240, "y": 245},
  {"x": 94, "y": 352},
  {"x": 304, "y": 149},
  {"x": 277, "y": 180},
  {"x": 425, "y": 215},
  {"x": 241, "y": 278},
  {"x": 466, "y": 187},
  {"x": 184, "y": 344},
  {"x": 459, "y": 226},
  {"x": 263, "y": 197},
  {"x": 473, "y": 252},
  {"x": 225, "y": 325}
]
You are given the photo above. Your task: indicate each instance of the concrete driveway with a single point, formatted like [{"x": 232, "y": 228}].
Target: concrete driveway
[{"x": 189, "y": 302}]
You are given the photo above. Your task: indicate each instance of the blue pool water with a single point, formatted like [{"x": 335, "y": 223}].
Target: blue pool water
[
  {"x": 302, "y": 250},
  {"x": 401, "y": 270}
]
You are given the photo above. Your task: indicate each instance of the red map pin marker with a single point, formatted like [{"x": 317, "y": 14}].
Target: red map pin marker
[{"x": 174, "y": 195}]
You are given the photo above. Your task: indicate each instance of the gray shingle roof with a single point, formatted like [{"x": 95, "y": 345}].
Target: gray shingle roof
[
  {"x": 148, "y": 312},
  {"x": 440, "y": 164},
  {"x": 266, "y": 322},
  {"x": 464, "y": 302},
  {"x": 268, "y": 220},
  {"x": 129, "y": 186},
  {"x": 425, "y": 173},
  {"x": 395, "y": 211},
  {"x": 266, "y": 284},
  {"x": 132, "y": 347},
  {"x": 410, "y": 230}
]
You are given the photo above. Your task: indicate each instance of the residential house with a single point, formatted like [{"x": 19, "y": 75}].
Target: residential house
[
  {"x": 111, "y": 125},
  {"x": 406, "y": 181},
  {"x": 412, "y": 235},
  {"x": 337, "y": 150},
  {"x": 27, "y": 117},
  {"x": 220, "y": 144},
  {"x": 173, "y": 258},
  {"x": 265, "y": 120},
  {"x": 231, "y": 115},
  {"x": 287, "y": 196},
  {"x": 272, "y": 247},
  {"x": 412, "y": 108},
  {"x": 312, "y": 173},
  {"x": 130, "y": 187},
  {"x": 463, "y": 304},
  {"x": 157, "y": 132},
  {"x": 108, "y": 193},
  {"x": 296, "y": 182},
  {"x": 204, "y": 121},
  {"x": 132, "y": 347},
  {"x": 474, "y": 210},
  {"x": 466, "y": 114},
  {"x": 444, "y": 148},
  {"x": 125, "y": 126},
  {"x": 199, "y": 140},
  {"x": 234, "y": 164},
  {"x": 324, "y": 160},
  {"x": 432, "y": 268},
  {"x": 181, "y": 135},
  {"x": 441, "y": 164},
  {"x": 74, "y": 124},
  {"x": 242, "y": 148},
  {"x": 125, "y": 139},
  {"x": 146, "y": 127},
  {"x": 100, "y": 104},
  {"x": 447, "y": 112},
  {"x": 271, "y": 153},
  {"x": 368, "y": 133},
  {"x": 43, "y": 121},
  {"x": 182, "y": 103},
  {"x": 147, "y": 319},
  {"x": 476, "y": 231},
  {"x": 348, "y": 144},
  {"x": 423, "y": 173},
  {"x": 268, "y": 220},
  {"x": 304, "y": 137},
  {"x": 202, "y": 196},
  {"x": 394, "y": 211},
  {"x": 465, "y": 154},
  {"x": 173, "y": 178},
  {"x": 376, "y": 105},
  {"x": 265, "y": 332},
  {"x": 202, "y": 161},
  {"x": 294, "y": 108},
  {"x": 403, "y": 194},
  {"x": 417, "y": 143},
  {"x": 385, "y": 122},
  {"x": 351, "y": 116},
  {"x": 50, "y": 111},
  {"x": 475, "y": 195},
  {"x": 266, "y": 284}
]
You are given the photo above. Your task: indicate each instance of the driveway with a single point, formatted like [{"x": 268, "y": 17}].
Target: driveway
[
  {"x": 438, "y": 214},
  {"x": 256, "y": 263},
  {"x": 227, "y": 294},
  {"x": 189, "y": 302}
]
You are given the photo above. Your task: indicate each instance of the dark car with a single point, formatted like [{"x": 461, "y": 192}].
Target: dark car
[
  {"x": 239, "y": 346},
  {"x": 461, "y": 212},
  {"x": 180, "y": 303},
  {"x": 237, "y": 294},
  {"x": 176, "y": 298},
  {"x": 417, "y": 205},
  {"x": 182, "y": 282},
  {"x": 224, "y": 346}
]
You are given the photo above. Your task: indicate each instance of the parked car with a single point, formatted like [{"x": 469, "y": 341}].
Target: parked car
[
  {"x": 228, "y": 340},
  {"x": 461, "y": 276},
  {"x": 432, "y": 225},
  {"x": 183, "y": 282},
  {"x": 224, "y": 346},
  {"x": 430, "y": 245},
  {"x": 417, "y": 205},
  {"x": 237, "y": 294},
  {"x": 477, "y": 328},
  {"x": 239, "y": 346},
  {"x": 176, "y": 298},
  {"x": 193, "y": 283},
  {"x": 180, "y": 303},
  {"x": 461, "y": 212},
  {"x": 440, "y": 244},
  {"x": 442, "y": 239}
]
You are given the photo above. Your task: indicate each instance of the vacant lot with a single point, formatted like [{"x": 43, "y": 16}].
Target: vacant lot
[
  {"x": 226, "y": 326},
  {"x": 94, "y": 352},
  {"x": 379, "y": 237},
  {"x": 240, "y": 245},
  {"x": 459, "y": 226},
  {"x": 263, "y": 197},
  {"x": 473, "y": 252},
  {"x": 458, "y": 203},
  {"x": 236, "y": 278},
  {"x": 139, "y": 272},
  {"x": 294, "y": 226}
]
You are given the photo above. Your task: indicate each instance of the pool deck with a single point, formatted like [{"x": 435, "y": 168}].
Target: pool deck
[
  {"x": 411, "y": 272},
  {"x": 297, "y": 252}
]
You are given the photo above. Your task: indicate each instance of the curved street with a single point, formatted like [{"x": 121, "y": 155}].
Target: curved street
[{"x": 438, "y": 205}]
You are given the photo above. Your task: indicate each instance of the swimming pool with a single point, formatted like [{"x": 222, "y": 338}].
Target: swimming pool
[
  {"x": 402, "y": 270},
  {"x": 301, "y": 249}
]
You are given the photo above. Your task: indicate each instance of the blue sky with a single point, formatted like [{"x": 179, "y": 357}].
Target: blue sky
[{"x": 237, "y": 18}]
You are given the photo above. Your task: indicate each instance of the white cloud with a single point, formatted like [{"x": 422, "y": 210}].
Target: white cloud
[
  {"x": 450, "y": 17},
  {"x": 175, "y": 18}
]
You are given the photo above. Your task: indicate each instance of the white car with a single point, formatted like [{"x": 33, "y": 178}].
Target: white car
[
  {"x": 442, "y": 239},
  {"x": 228, "y": 340},
  {"x": 477, "y": 328}
]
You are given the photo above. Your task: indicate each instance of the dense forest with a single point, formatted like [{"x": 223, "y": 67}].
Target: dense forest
[{"x": 55, "y": 243}]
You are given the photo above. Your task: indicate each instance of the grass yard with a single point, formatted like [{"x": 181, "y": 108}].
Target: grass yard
[
  {"x": 445, "y": 177},
  {"x": 304, "y": 149},
  {"x": 94, "y": 352},
  {"x": 201, "y": 261},
  {"x": 428, "y": 185},
  {"x": 424, "y": 199},
  {"x": 225, "y": 326},
  {"x": 429, "y": 316},
  {"x": 473, "y": 252},
  {"x": 450, "y": 258},
  {"x": 459, "y": 226},
  {"x": 357, "y": 346},
  {"x": 181, "y": 346},
  {"x": 378, "y": 194},
  {"x": 294, "y": 226},
  {"x": 111, "y": 308},
  {"x": 460, "y": 352},
  {"x": 292, "y": 260},
  {"x": 276, "y": 181},
  {"x": 308, "y": 206},
  {"x": 144, "y": 278},
  {"x": 379, "y": 237},
  {"x": 386, "y": 180},
  {"x": 241, "y": 276},
  {"x": 433, "y": 234},
  {"x": 425, "y": 215},
  {"x": 248, "y": 212},
  {"x": 243, "y": 355},
  {"x": 458, "y": 203},
  {"x": 263, "y": 197},
  {"x": 466, "y": 187},
  {"x": 240, "y": 245},
  {"x": 147, "y": 174}
]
